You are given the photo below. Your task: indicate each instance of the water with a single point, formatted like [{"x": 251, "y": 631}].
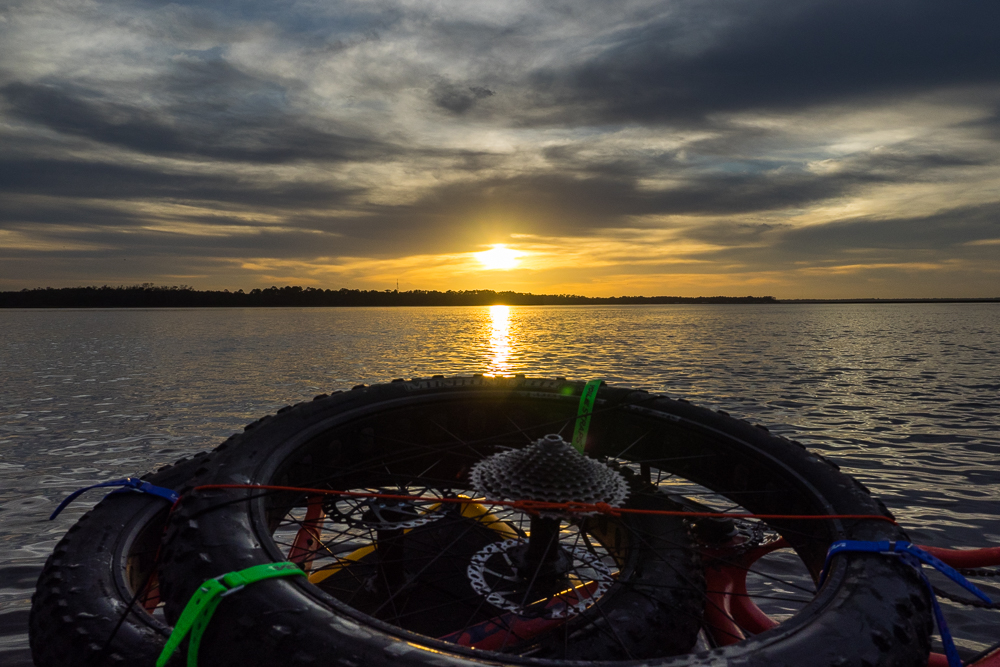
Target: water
[{"x": 903, "y": 396}]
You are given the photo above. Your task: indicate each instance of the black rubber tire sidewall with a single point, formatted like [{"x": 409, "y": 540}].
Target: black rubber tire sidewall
[
  {"x": 82, "y": 591},
  {"x": 872, "y": 611}
]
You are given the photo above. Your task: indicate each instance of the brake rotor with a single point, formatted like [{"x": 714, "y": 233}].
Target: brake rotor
[{"x": 493, "y": 574}]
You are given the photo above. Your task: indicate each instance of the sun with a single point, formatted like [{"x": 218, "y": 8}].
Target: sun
[{"x": 500, "y": 257}]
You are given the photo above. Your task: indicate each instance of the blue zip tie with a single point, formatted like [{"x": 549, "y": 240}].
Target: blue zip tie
[
  {"x": 130, "y": 484},
  {"x": 915, "y": 557}
]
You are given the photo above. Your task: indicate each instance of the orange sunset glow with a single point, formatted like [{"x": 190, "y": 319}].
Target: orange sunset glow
[{"x": 685, "y": 150}]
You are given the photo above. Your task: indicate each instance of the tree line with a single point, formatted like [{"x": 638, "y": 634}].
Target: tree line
[{"x": 148, "y": 295}]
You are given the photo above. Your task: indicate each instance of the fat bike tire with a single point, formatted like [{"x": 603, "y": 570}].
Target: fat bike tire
[
  {"x": 92, "y": 575},
  {"x": 871, "y": 610}
]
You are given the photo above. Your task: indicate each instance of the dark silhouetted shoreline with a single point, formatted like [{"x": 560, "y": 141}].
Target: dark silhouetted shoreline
[
  {"x": 862, "y": 301},
  {"x": 150, "y": 296}
]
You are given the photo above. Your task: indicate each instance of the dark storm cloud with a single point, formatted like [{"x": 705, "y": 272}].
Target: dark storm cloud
[
  {"x": 732, "y": 158},
  {"x": 280, "y": 244},
  {"x": 901, "y": 165},
  {"x": 948, "y": 229},
  {"x": 950, "y": 235},
  {"x": 34, "y": 213},
  {"x": 73, "y": 229},
  {"x": 72, "y": 219},
  {"x": 990, "y": 124},
  {"x": 459, "y": 99},
  {"x": 248, "y": 124},
  {"x": 599, "y": 194},
  {"x": 93, "y": 180},
  {"x": 733, "y": 237},
  {"x": 704, "y": 58}
]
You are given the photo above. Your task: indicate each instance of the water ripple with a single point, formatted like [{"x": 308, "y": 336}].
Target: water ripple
[{"x": 902, "y": 396}]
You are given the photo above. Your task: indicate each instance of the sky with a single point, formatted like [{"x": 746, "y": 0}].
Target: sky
[{"x": 806, "y": 149}]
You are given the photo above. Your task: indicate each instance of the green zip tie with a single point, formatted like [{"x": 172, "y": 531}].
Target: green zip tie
[
  {"x": 199, "y": 609},
  {"x": 584, "y": 412}
]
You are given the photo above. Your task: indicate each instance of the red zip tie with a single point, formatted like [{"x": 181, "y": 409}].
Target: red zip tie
[{"x": 535, "y": 506}]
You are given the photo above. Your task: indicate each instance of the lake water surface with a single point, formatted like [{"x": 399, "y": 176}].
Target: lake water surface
[{"x": 906, "y": 397}]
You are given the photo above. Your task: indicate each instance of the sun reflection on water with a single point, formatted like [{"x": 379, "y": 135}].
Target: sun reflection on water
[{"x": 500, "y": 342}]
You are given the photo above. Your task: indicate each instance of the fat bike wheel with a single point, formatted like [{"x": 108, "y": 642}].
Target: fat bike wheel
[
  {"x": 97, "y": 600},
  {"x": 413, "y": 568}
]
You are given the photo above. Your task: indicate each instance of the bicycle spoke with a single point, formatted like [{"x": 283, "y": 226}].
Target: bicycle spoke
[{"x": 406, "y": 569}]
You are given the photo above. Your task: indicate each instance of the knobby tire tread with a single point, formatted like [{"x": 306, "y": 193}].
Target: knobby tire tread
[
  {"x": 873, "y": 612},
  {"x": 79, "y": 601}
]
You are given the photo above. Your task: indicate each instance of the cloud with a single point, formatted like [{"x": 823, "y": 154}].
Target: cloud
[
  {"x": 262, "y": 133},
  {"x": 947, "y": 230},
  {"x": 699, "y": 60},
  {"x": 90, "y": 180},
  {"x": 955, "y": 240},
  {"x": 459, "y": 99},
  {"x": 731, "y": 137}
]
